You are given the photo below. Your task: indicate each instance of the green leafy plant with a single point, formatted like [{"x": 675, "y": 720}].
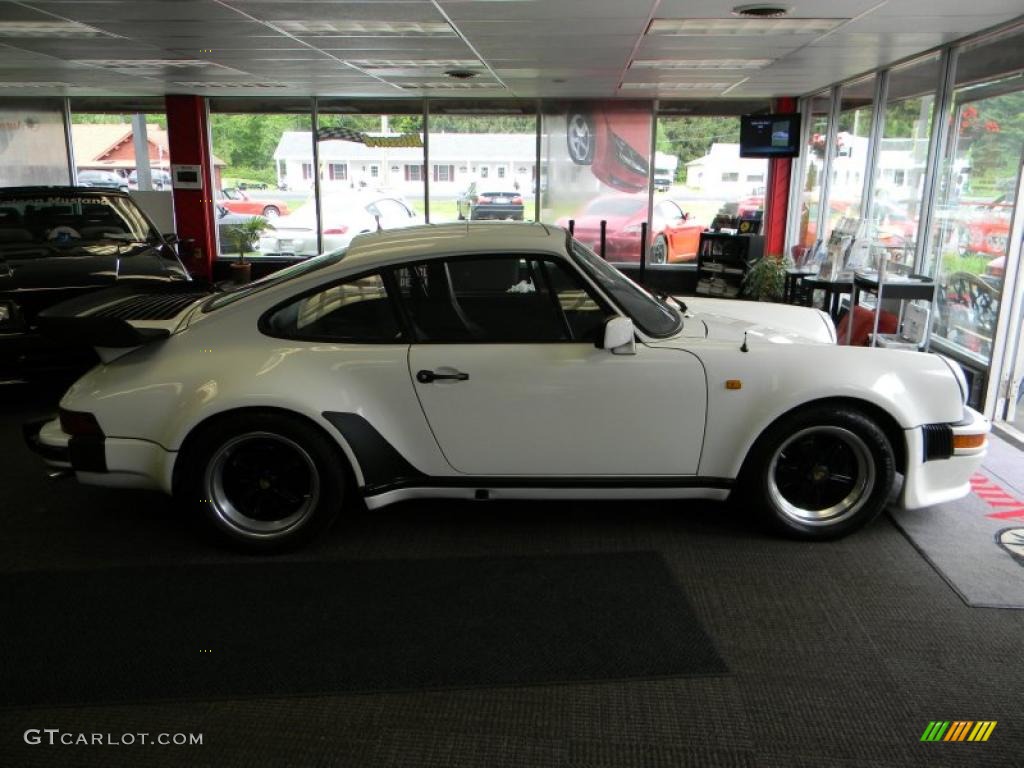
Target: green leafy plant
[
  {"x": 245, "y": 235},
  {"x": 766, "y": 280}
]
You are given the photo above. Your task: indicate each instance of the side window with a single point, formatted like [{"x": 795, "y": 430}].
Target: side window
[
  {"x": 503, "y": 299},
  {"x": 358, "y": 311}
]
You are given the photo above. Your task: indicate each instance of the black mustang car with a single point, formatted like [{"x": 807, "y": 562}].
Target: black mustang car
[{"x": 57, "y": 243}]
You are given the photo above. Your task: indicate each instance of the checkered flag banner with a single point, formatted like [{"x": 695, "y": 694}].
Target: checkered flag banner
[
  {"x": 340, "y": 134},
  {"x": 347, "y": 134}
]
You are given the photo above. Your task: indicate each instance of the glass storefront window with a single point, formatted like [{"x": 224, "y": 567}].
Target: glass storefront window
[
  {"x": 371, "y": 168},
  {"x": 699, "y": 174},
  {"x": 903, "y": 155},
  {"x": 814, "y": 166},
  {"x": 262, "y": 157},
  {"x": 981, "y": 167},
  {"x": 483, "y": 161},
  {"x": 851, "y": 151},
  {"x": 596, "y": 166}
]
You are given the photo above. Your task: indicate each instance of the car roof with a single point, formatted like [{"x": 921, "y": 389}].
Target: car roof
[
  {"x": 436, "y": 240},
  {"x": 61, "y": 190}
]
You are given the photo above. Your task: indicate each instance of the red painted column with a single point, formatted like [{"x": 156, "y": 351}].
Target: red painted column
[
  {"x": 187, "y": 133},
  {"x": 777, "y": 192}
]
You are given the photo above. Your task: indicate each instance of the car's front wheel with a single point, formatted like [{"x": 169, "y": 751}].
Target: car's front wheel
[
  {"x": 820, "y": 473},
  {"x": 271, "y": 211},
  {"x": 264, "y": 482}
]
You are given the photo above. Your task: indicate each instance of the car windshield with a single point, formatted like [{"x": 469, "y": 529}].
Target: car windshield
[
  {"x": 277, "y": 278},
  {"x": 54, "y": 223},
  {"x": 651, "y": 315}
]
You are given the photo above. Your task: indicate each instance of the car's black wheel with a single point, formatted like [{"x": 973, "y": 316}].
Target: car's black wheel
[
  {"x": 579, "y": 136},
  {"x": 820, "y": 473},
  {"x": 265, "y": 482},
  {"x": 271, "y": 211},
  {"x": 659, "y": 250}
]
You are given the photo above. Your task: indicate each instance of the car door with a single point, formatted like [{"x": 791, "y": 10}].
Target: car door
[{"x": 505, "y": 367}]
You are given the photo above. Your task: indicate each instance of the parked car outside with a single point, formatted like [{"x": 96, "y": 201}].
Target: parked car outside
[
  {"x": 494, "y": 204},
  {"x": 161, "y": 179},
  {"x": 607, "y": 141},
  {"x": 675, "y": 236},
  {"x": 237, "y": 201},
  {"x": 97, "y": 178},
  {"x": 226, "y": 221},
  {"x": 58, "y": 243},
  {"x": 345, "y": 215},
  {"x": 472, "y": 361}
]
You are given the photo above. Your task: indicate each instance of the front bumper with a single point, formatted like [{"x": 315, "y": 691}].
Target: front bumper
[
  {"x": 939, "y": 480},
  {"x": 108, "y": 461}
]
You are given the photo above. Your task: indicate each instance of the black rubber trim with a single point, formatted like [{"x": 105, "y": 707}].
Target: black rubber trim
[
  {"x": 379, "y": 461},
  {"x": 30, "y": 431},
  {"x": 938, "y": 441},
  {"x": 87, "y": 454},
  {"x": 476, "y": 481}
]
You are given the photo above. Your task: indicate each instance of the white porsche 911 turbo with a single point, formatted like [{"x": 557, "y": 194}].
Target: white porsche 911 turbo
[{"x": 496, "y": 361}]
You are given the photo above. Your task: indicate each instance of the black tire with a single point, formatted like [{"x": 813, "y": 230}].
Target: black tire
[
  {"x": 659, "y": 250},
  {"x": 264, "y": 482},
  {"x": 820, "y": 473},
  {"x": 579, "y": 137},
  {"x": 271, "y": 211}
]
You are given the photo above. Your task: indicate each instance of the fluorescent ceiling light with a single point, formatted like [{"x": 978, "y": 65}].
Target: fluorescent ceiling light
[
  {"x": 367, "y": 28},
  {"x": 150, "y": 63},
  {"x": 741, "y": 27},
  {"x": 676, "y": 86},
  {"x": 700, "y": 63},
  {"x": 36, "y": 85},
  {"x": 450, "y": 86},
  {"x": 414, "y": 63},
  {"x": 201, "y": 84},
  {"x": 58, "y": 29}
]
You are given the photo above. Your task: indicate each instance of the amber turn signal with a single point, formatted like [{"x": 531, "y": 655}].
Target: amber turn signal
[
  {"x": 733, "y": 384},
  {"x": 969, "y": 441}
]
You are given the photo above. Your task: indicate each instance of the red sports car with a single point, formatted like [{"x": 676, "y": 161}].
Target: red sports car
[
  {"x": 237, "y": 201},
  {"x": 615, "y": 144},
  {"x": 676, "y": 236}
]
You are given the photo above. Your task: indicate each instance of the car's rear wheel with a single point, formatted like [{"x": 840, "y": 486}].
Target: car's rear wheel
[
  {"x": 579, "y": 134},
  {"x": 264, "y": 482},
  {"x": 659, "y": 250},
  {"x": 271, "y": 211},
  {"x": 821, "y": 473}
]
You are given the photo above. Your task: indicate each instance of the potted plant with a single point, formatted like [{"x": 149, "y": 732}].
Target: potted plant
[
  {"x": 766, "y": 280},
  {"x": 244, "y": 236}
]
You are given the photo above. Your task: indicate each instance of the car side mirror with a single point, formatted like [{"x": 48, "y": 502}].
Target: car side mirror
[{"x": 619, "y": 336}]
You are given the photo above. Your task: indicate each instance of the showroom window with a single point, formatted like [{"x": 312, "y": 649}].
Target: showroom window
[
  {"x": 817, "y": 124},
  {"x": 509, "y": 299},
  {"x": 476, "y": 140},
  {"x": 851, "y": 153},
  {"x": 581, "y": 175},
  {"x": 974, "y": 208},
  {"x": 903, "y": 155},
  {"x": 382, "y": 143},
  {"x": 355, "y": 311},
  {"x": 698, "y": 170},
  {"x": 262, "y": 148}
]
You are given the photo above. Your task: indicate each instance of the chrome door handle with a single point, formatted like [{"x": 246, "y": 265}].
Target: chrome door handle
[{"x": 426, "y": 377}]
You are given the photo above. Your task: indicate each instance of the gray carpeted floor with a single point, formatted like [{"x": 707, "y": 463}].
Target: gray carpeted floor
[{"x": 839, "y": 654}]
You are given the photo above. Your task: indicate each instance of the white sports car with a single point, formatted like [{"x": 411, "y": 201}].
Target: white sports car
[{"x": 496, "y": 361}]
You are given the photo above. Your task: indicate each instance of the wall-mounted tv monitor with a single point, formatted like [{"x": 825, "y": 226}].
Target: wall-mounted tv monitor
[{"x": 770, "y": 136}]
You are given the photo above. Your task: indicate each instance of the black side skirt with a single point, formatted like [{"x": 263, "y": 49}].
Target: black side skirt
[{"x": 385, "y": 469}]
